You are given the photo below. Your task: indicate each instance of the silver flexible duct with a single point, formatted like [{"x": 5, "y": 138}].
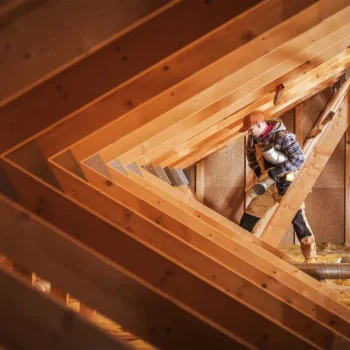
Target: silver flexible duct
[{"x": 273, "y": 156}]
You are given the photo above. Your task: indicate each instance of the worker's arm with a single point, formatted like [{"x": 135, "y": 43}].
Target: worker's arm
[
  {"x": 290, "y": 147},
  {"x": 251, "y": 156}
]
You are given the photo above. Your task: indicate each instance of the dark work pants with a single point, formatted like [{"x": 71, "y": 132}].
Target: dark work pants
[{"x": 301, "y": 228}]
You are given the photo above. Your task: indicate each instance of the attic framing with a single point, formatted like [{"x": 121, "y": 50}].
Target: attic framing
[{"x": 186, "y": 253}]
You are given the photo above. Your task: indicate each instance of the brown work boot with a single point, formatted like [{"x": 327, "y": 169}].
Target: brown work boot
[
  {"x": 308, "y": 249},
  {"x": 310, "y": 261}
]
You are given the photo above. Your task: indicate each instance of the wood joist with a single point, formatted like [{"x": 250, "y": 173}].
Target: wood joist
[
  {"x": 316, "y": 83},
  {"x": 35, "y": 55},
  {"x": 124, "y": 247},
  {"x": 222, "y": 123},
  {"x": 95, "y": 279},
  {"x": 183, "y": 254},
  {"x": 124, "y": 58},
  {"x": 69, "y": 330},
  {"x": 124, "y": 104},
  {"x": 235, "y": 90}
]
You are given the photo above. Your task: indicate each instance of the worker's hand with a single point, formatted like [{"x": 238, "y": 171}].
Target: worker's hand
[{"x": 274, "y": 172}]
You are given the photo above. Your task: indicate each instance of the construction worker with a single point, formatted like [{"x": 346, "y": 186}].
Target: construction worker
[{"x": 273, "y": 153}]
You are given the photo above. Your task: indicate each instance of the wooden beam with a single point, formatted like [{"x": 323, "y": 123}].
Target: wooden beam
[
  {"x": 116, "y": 243},
  {"x": 194, "y": 260},
  {"x": 11, "y": 10},
  {"x": 114, "y": 291},
  {"x": 230, "y": 138},
  {"x": 210, "y": 105},
  {"x": 218, "y": 222},
  {"x": 23, "y": 272},
  {"x": 199, "y": 239},
  {"x": 37, "y": 55},
  {"x": 44, "y": 324},
  {"x": 200, "y": 181},
  {"x": 202, "y": 134},
  {"x": 318, "y": 152},
  {"x": 296, "y": 90},
  {"x": 168, "y": 93},
  {"x": 316, "y": 85},
  {"x": 347, "y": 187},
  {"x": 259, "y": 99},
  {"x": 6, "y": 262},
  {"x": 299, "y": 123},
  {"x": 122, "y": 56}
]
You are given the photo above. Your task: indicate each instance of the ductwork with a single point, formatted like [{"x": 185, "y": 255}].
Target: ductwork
[
  {"x": 322, "y": 271},
  {"x": 273, "y": 156}
]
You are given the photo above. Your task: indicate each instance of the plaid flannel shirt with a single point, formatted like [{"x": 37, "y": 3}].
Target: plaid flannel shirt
[{"x": 283, "y": 141}]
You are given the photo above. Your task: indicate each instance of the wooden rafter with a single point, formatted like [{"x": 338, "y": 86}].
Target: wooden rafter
[
  {"x": 322, "y": 82},
  {"x": 116, "y": 244},
  {"x": 192, "y": 260},
  {"x": 296, "y": 81},
  {"x": 183, "y": 249},
  {"x": 97, "y": 281},
  {"x": 302, "y": 69},
  {"x": 170, "y": 96},
  {"x": 19, "y": 306},
  {"x": 122, "y": 57},
  {"x": 36, "y": 55},
  {"x": 189, "y": 206},
  {"x": 347, "y": 188},
  {"x": 209, "y": 106},
  {"x": 162, "y": 218}
]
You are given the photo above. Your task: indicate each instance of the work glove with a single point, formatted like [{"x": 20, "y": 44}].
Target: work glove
[{"x": 260, "y": 186}]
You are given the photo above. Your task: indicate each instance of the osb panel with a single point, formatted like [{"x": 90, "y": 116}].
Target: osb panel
[
  {"x": 225, "y": 167},
  {"x": 227, "y": 201},
  {"x": 332, "y": 175},
  {"x": 288, "y": 237},
  {"x": 325, "y": 212},
  {"x": 288, "y": 120},
  {"x": 224, "y": 181},
  {"x": 313, "y": 108}
]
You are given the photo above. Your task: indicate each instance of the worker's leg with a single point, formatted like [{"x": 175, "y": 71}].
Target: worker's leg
[
  {"x": 248, "y": 221},
  {"x": 256, "y": 210},
  {"x": 305, "y": 235}
]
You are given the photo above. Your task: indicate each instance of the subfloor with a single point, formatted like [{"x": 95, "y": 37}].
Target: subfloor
[{"x": 326, "y": 253}]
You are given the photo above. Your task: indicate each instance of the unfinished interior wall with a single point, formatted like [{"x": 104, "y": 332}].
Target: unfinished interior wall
[
  {"x": 325, "y": 204},
  {"x": 224, "y": 181}
]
